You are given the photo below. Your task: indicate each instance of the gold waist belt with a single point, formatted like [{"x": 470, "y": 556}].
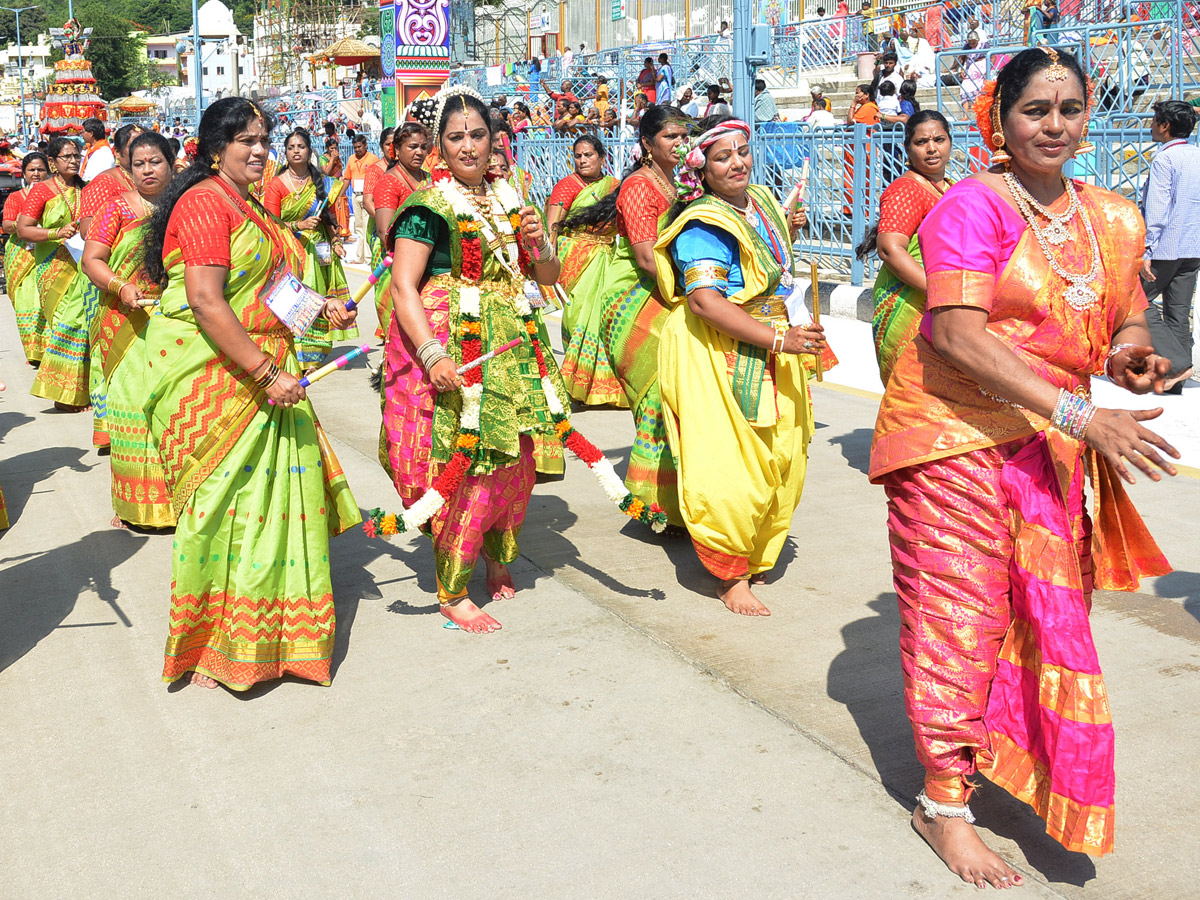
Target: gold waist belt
[
  {"x": 589, "y": 238},
  {"x": 766, "y": 308}
]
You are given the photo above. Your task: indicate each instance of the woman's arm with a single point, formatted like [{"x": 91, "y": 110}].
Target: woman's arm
[
  {"x": 547, "y": 271},
  {"x": 729, "y": 318},
  {"x": 555, "y": 213},
  {"x": 643, "y": 255},
  {"x": 408, "y": 269},
  {"x": 960, "y": 335},
  {"x": 94, "y": 263},
  {"x": 893, "y": 250},
  {"x": 1137, "y": 368},
  {"x": 10, "y": 226},
  {"x": 29, "y": 230},
  {"x": 205, "y": 288},
  {"x": 383, "y": 221}
]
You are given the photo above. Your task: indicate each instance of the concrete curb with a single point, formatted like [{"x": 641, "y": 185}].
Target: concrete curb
[{"x": 846, "y": 301}]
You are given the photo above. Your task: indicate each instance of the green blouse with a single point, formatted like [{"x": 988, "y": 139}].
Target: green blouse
[{"x": 420, "y": 223}]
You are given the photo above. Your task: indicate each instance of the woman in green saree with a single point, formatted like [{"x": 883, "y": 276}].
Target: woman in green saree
[
  {"x": 585, "y": 254},
  {"x": 49, "y": 218},
  {"x": 20, "y": 268},
  {"x": 303, "y": 198},
  {"x": 256, "y": 487},
  {"x": 114, "y": 261},
  {"x": 900, "y": 284}
]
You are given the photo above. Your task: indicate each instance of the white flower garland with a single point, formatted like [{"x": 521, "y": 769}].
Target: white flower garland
[{"x": 505, "y": 203}]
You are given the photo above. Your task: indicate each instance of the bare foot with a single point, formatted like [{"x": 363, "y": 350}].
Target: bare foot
[
  {"x": 203, "y": 681},
  {"x": 499, "y": 581},
  {"x": 117, "y": 523},
  {"x": 760, "y": 578},
  {"x": 965, "y": 854},
  {"x": 736, "y": 595},
  {"x": 469, "y": 617}
]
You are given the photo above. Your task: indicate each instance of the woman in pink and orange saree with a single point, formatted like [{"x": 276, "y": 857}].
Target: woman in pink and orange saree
[{"x": 984, "y": 440}]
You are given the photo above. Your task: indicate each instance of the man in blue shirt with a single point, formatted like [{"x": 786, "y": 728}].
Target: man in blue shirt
[{"x": 1171, "y": 207}]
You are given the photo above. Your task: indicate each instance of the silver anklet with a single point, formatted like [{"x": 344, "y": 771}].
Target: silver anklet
[{"x": 933, "y": 809}]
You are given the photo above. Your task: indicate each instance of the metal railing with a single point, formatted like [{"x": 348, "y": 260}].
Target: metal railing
[{"x": 849, "y": 167}]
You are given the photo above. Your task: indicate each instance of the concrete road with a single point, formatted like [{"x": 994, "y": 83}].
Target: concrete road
[{"x": 623, "y": 736}]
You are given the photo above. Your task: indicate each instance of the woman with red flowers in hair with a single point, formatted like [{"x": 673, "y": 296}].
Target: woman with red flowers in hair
[{"x": 985, "y": 438}]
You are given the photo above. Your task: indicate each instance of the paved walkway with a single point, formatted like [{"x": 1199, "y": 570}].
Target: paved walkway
[{"x": 623, "y": 736}]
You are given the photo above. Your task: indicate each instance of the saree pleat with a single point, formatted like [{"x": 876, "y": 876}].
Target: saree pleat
[
  {"x": 20, "y": 277},
  {"x": 63, "y": 375},
  {"x": 257, "y": 489},
  {"x": 328, "y": 280},
  {"x": 586, "y": 257}
]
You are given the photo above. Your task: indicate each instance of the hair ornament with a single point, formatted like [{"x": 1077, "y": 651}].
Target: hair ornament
[
  {"x": 446, "y": 94},
  {"x": 1056, "y": 71},
  {"x": 692, "y": 158}
]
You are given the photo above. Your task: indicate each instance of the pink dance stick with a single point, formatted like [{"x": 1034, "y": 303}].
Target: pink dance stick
[
  {"x": 372, "y": 280},
  {"x": 491, "y": 354},
  {"x": 330, "y": 367}
]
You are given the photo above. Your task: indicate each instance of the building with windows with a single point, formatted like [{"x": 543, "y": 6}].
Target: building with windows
[
  {"x": 163, "y": 57},
  {"x": 34, "y": 59}
]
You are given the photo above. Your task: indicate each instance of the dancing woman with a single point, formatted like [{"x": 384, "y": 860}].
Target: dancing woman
[
  {"x": 463, "y": 249},
  {"x": 734, "y": 389},
  {"x": 984, "y": 439},
  {"x": 49, "y": 217},
  {"x": 632, "y": 312},
  {"x": 904, "y": 204},
  {"x": 406, "y": 174},
  {"x": 302, "y": 197},
  {"x": 255, "y": 485},
  {"x": 585, "y": 255},
  {"x": 20, "y": 265},
  {"x": 114, "y": 260}
]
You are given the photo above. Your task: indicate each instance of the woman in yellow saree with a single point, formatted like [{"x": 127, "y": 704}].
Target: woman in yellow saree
[
  {"x": 733, "y": 381},
  {"x": 303, "y": 198},
  {"x": 49, "y": 218},
  {"x": 20, "y": 266},
  {"x": 256, "y": 487},
  {"x": 114, "y": 261},
  {"x": 585, "y": 254}
]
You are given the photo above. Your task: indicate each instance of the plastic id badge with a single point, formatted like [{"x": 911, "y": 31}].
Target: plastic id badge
[{"x": 293, "y": 302}]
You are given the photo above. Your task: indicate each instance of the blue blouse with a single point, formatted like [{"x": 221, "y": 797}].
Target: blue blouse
[{"x": 708, "y": 257}]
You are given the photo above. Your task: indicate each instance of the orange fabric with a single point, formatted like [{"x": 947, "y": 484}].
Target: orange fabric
[
  {"x": 565, "y": 192},
  {"x": 722, "y": 565},
  {"x": 372, "y": 179},
  {"x": 102, "y": 189},
  {"x": 200, "y": 227},
  {"x": 357, "y": 168},
  {"x": 107, "y": 225},
  {"x": 640, "y": 204},
  {"x": 12, "y": 206},
  {"x": 867, "y": 113},
  {"x": 37, "y": 198}
]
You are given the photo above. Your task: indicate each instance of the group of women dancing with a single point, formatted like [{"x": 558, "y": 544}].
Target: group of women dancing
[{"x": 999, "y": 298}]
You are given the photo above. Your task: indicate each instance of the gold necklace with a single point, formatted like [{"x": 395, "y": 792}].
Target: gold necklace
[{"x": 668, "y": 189}]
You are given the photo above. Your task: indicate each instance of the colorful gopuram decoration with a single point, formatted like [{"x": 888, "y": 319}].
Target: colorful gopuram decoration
[
  {"x": 414, "y": 52},
  {"x": 72, "y": 97}
]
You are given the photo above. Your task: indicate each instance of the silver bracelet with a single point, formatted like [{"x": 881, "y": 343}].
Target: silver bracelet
[{"x": 1113, "y": 352}]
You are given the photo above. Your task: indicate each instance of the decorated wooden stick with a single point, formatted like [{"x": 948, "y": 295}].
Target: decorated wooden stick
[
  {"x": 796, "y": 198},
  {"x": 372, "y": 280},
  {"x": 491, "y": 354},
  {"x": 816, "y": 311},
  {"x": 340, "y": 363}
]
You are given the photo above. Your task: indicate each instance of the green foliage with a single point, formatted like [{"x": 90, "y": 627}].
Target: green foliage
[{"x": 118, "y": 61}]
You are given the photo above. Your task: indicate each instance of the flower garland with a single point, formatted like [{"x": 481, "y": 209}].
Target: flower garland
[{"x": 466, "y": 445}]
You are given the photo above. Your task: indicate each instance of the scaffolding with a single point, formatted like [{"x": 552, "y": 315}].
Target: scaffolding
[{"x": 288, "y": 32}]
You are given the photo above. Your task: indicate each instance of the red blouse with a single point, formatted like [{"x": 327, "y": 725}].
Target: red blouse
[
  {"x": 371, "y": 179},
  {"x": 274, "y": 196},
  {"x": 903, "y": 206},
  {"x": 566, "y": 191},
  {"x": 640, "y": 204},
  {"x": 101, "y": 190},
  {"x": 107, "y": 225},
  {"x": 391, "y": 190},
  {"x": 37, "y": 198},
  {"x": 201, "y": 226},
  {"x": 12, "y": 205}
]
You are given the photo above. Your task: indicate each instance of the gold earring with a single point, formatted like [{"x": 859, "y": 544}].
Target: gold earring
[
  {"x": 216, "y": 164},
  {"x": 1085, "y": 146}
]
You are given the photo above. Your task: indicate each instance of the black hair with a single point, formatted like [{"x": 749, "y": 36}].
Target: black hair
[
  {"x": 649, "y": 60},
  {"x": 594, "y": 141},
  {"x": 318, "y": 178},
  {"x": 887, "y": 88},
  {"x": 221, "y": 122},
  {"x": 408, "y": 129},
  {"x": 175, "y": 146},
  {"x": 908, "y": 91},
  {"x": 889, "y": 56},
  {"x": 603, "y": 212},
  {"x": 383, "y": 137},
  {"x": 1014, "y": 78},
  {"x": 535, "y": 65},
  {"x": 123, "y": 135},
  {"x": 500, "y": 124},
  {"x": 30, "y": 157},
  {"x": 457, "y": 104},
  {"x": 870, "y": 241},
  {"x": 1177, "y": 116},
  {"x": 820, "y": 10},
  {"x": 759, "y": 84},
  {"x": 330, "y": 128},
  {"x": 868, "y": 90},
  {"x": 94, "y": 127},
  {"x": 359, "y": 139},
  {"x": 662, "y": 58},
  {"x": 55, "y": 147},
  {"x": 523, "y": 107}
]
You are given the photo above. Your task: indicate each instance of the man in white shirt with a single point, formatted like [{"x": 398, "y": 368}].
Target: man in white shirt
[
  {"x": 97, "y": 154},
  {"x": 686, "y": 102},
  {"x": 568, "y": 59}
]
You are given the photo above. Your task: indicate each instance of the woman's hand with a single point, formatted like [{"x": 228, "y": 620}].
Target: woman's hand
[
  {"x": 444, "y": 376},
  {"x": 1119, "y": 436},
  {"x": 531, "y": 226},
  {"x": 129, "y": 295},
  {"x": 340, "y": 250},
  {"x": 805, "y": 339},
  {"x": 339, "y": 317},
  {"x": 799, "y": 220},
  {"x": 68, "y": 231},
  {"x": 308, "y": 224},
  {"x": 1139, "y": 369},
  {"x": 286, "y": 390}
]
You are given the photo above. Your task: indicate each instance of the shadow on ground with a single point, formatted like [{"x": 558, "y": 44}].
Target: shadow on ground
[{"x": 1181, "y": 585}]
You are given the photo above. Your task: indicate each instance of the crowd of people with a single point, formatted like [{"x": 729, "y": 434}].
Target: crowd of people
[{"x": 202, "y": 296}]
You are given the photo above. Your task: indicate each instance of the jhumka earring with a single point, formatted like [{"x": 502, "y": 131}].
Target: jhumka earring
[
  {"x": 999, "y": 156},
  {"x": 216, "y": 164},
  {"x": 1085, "y": 146}
]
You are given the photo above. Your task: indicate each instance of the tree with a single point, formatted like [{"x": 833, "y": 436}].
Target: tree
[
  {"x": 33, "y": 21},
  {"x": 119, "y": 61}
]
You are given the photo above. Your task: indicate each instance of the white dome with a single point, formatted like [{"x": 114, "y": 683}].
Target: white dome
[{"x": 216, "y": 20}]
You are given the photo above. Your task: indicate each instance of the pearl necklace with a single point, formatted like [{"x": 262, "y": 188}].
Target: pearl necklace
[
  {"x": 1080, "y": 295},
  {"x": 1057, "y": 233},
  {"x": 747, "y": 212}
]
